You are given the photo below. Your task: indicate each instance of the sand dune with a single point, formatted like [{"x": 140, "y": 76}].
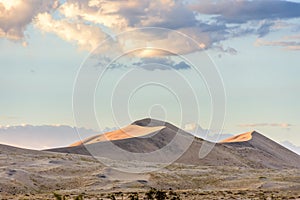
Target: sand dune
[
  {"x": 250, "y": 149},
  {"x": 124, "y": 133},
  {"x": 239, "y": 138},
  {"x": 249, "y": 161}
]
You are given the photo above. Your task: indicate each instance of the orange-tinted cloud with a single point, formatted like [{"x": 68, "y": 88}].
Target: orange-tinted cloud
[
  {"x": 85, "y": 36},
  {"x": 282, "y": 125},
  {"x": 16, "y": 15},
  {"x": 287, "y": 43}
]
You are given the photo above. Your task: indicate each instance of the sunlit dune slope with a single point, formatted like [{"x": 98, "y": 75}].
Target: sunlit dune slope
[
  {"x": 239, "y": 138},
  {"x": 124, "y": 133}
]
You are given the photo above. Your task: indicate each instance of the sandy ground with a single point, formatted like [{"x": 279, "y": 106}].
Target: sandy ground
[
  {"x": 36, "y": 175},
  {"x": 239, "y": 138}
]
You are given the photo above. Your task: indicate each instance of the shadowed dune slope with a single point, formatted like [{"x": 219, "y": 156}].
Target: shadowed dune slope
[
  {"x": 246, "y": 150},
  {"x": 16, "y": 150},
  {"x": 161, "y": 135}
]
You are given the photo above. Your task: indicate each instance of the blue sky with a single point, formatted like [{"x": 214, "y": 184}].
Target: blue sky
[{"x": 254, "y": 44}]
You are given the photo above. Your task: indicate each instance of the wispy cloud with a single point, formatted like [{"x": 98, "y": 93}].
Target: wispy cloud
[
  {"x": 281, "y": 125},
  {"x": 241, "y": 11},
  {"x": 228, "y": 50},
  {"x": 160, "y": 64},
  {"x": 287, "y": 43}
]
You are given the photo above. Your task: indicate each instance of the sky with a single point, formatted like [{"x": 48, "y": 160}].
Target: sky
[{"x": 53, "y": 53}]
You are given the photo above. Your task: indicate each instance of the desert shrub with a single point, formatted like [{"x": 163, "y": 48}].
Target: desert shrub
[
  {"x": 133, "y": 196},
  {"x": 173, "y": 195},
  {"x": 112, "y": 197},
  {"x": 175, "y": 198},
  {"x": 59, "y": 197},
  {"x": 160, "y": 195},
  {"x": 119, "y": 193},
  {"x": 63, "y": 197},
  {"x": 79, "y": 197},
  {"x": 154, "y": 194},
  {"x": 151, "y": 194}
]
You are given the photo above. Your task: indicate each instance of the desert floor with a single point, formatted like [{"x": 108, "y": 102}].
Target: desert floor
[{"x": 29, "y": 174}]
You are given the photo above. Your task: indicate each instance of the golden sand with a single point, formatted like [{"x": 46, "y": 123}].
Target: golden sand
[
  {"x": 123, "y": 133},
  {"x": 239, "y": 138}
]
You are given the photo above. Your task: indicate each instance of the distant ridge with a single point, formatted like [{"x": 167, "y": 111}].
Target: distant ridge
[{"x": 250, "y": 149}]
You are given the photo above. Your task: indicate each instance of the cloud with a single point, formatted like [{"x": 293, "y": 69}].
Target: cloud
[
  {"x": 228, "y": 50},
  {"x": 210, "y": 135},
  {"x": 120, "y": 16},
  {"x": 86, "y": 36},
  {"x": 135, "y": 13},
  {"x": 184, "y": 17},
  {"x": 16, "y": 15},
  {"x": 265, "y": 28},
  {"x": 160, "y": 42},
  {"x": 287, "y": 43},
  {"x": 245, "y": 17},
  {"x": 195, "y": 129},
  {"x": 151, "y": 64},
  {"x": 281, "y": 125},
  {"x": 99, "y": 12},
  {"x": 160, "y": 64},
  {"x": 44, "y": 136},
  {"x": 87, "y": 23},
  {"x": 241, "y": 11}
]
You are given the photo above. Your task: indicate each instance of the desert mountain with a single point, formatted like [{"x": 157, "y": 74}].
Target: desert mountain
[{"x": 250, "y": 149}]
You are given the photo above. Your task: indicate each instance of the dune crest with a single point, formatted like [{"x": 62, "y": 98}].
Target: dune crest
[
  {"x": 120, "y": 134},
  {"x": 239, "y": 138}
]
